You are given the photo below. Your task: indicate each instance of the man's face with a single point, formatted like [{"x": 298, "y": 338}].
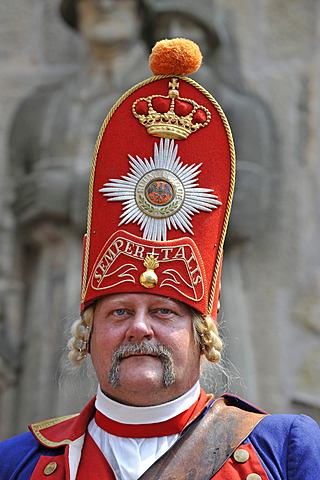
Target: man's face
[
  {"x": 143, "y": 348},
  {"x": 107, "y": 22}
]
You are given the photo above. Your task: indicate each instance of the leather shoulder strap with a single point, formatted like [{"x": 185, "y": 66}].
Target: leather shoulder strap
[{"x": 206, "y": 445}]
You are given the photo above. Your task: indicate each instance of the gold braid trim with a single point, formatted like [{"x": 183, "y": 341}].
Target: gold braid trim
[
  {"x": 37, "y": 427},
  {"x": 231, "y": 188}
]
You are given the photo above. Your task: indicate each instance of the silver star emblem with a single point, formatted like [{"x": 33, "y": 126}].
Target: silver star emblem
[{"x": 160, "y": 193}]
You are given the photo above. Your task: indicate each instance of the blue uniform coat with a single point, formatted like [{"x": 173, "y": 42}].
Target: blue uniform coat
[{"x": 281, "y": 447}]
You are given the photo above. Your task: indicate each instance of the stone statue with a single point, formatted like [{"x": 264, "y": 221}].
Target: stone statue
[
  {"x": 252, "y": 131},
  {"x": 51, "y": 144}
]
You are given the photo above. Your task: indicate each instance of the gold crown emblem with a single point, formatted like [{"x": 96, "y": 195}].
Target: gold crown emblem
[{"x": 170, "y": 116}]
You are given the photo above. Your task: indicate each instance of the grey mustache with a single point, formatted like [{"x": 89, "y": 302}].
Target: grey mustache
[{"x": 141, "y": 348}]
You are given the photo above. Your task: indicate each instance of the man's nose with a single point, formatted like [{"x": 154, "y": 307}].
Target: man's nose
[{"x": 139, "y": 328}]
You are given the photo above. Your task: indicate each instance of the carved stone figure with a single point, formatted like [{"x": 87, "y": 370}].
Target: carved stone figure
[
  {"x": 252, "y": 131},
  {"x": 51, "y": 145}
]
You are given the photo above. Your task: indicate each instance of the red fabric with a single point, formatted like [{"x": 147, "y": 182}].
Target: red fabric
[
  {"x": 239, "y": 471},
  {"x": 208, "y": 146},
  {"x": 123, "y": 242},
  {"x": 93, "y": 464},
  {"x": 161, "y": 105},
  {"x": 169, "y": 427},
  {"x": 71, "y": 429},
  {"x": 60, "y": 473},
  {"x": 64, "y": 431},
  {"x": 183, "y": 108}
]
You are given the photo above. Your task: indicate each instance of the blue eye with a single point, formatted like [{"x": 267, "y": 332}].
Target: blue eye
[
  {"x": 120, "y": 312},
  {"x": 164, "y": 311}
]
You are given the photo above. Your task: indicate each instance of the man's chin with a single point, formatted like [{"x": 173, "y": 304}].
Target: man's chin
[{"x": 141, "y": 377}]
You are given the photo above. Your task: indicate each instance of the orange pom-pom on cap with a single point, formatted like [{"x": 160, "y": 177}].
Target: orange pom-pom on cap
[{"x": 178, "y": 56}]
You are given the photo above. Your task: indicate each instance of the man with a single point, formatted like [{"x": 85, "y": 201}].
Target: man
[{"x": 160, "y": 197}]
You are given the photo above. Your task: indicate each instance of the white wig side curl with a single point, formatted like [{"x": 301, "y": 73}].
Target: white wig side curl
[{"x": 81, "y": 330}]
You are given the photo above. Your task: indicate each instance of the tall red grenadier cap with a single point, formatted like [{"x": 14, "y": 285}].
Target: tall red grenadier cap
[{"x": 161, "y": 188}]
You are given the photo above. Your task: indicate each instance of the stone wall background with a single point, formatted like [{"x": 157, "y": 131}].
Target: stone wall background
[{"x": 270, "y": 54}]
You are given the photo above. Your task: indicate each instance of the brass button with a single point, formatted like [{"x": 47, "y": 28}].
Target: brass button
[
  {"x": 254, "y": 476},
  {"x": 50, "y": 468},
  {"x": 241, "y": 455}
]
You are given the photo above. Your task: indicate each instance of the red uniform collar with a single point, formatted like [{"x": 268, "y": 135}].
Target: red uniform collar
[
  {"x": 60, "y": 431},
  {"x": 169, "y": 427},
  {"x": 64, "y": 430}
]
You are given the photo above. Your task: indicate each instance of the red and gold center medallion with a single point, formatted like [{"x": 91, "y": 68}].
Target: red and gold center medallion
[{"x": 159, "y": 192}]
